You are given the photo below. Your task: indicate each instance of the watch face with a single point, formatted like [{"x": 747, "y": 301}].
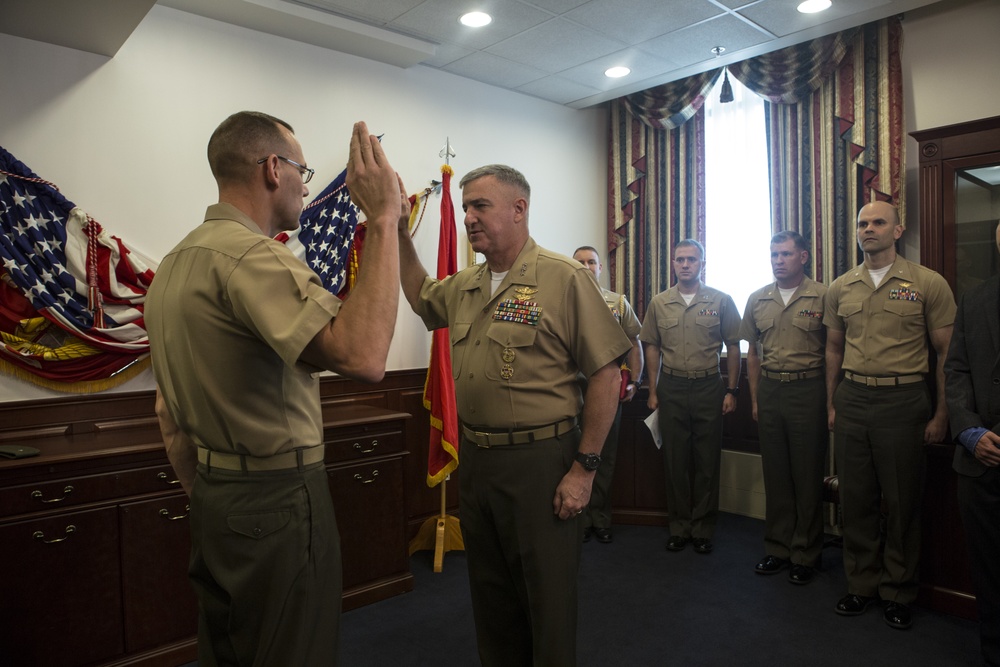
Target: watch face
[{"x": 589, "y": 461}]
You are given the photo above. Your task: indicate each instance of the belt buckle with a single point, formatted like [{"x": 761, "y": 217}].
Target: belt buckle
[
  {"x": 785, "y": 376},
  {"x": 484, "y": 437},
  {"x": 871, "y": 381},
  {"x": 692, "y": 375}
]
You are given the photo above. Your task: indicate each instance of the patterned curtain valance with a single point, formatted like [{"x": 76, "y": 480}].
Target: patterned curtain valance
[
  {"x": 790, "y": 75},
  {"x": 671, "y": 105}
]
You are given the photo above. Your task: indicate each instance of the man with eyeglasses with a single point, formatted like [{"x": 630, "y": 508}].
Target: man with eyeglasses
[{"x": 238, "y": 329}]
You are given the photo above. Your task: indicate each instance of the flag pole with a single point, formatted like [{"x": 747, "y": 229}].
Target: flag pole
[{"x": 443, "y": 532}]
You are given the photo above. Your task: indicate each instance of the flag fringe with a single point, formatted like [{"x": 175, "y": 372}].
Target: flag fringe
[{"x": 83, "y": 387}]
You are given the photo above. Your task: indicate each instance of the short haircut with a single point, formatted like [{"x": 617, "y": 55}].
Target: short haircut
[
  {"x": 502, "y": 173},
  {"x": 789, "y": 235},
  {"x": 241, "y": 140},
  {"x": 694, "y": 244},
  {"x": 590, "y": 248}
]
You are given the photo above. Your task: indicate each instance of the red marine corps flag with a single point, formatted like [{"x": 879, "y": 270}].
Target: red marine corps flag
[{"x": 439, "y": 390}]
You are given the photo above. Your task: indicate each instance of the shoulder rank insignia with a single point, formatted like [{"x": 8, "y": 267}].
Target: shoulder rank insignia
[{"x": 525, "y": 293}]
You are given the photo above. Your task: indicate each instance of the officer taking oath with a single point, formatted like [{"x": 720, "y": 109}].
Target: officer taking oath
[
  {"x": 879, "y": 317},
  {"x": 523, "y": 325},
  {"x": 783, "y": 323}
]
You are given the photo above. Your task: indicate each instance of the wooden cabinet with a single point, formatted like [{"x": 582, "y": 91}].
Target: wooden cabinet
[
  {"x": 959, "y": 212},
  {"x": 92, "y": 572},
  {"x": 95, "y": 538},
  {"x": 365, "y": 467}
]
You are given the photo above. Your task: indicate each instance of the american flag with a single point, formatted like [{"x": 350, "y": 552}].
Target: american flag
[
  {"x": 59, "y": 265},
  {"x": 326, "y": 233}
]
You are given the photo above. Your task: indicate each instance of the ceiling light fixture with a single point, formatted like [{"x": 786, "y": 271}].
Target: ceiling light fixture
[
  {"x": 476, "y": 19},
  {"x": 813, "y": 6},
  {"x": 617, "y": 72}
]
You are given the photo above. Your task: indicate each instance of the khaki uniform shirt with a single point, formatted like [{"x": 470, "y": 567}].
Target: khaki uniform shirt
[
  {"x": 515, "y": 355},
  {"x": 690, "y": 337},
  {"x": 623, "y": 312},
  {"x": 885, "y": 328},
  {"x": 228, "y": 314},
  {"x": 792, "y": 337}
]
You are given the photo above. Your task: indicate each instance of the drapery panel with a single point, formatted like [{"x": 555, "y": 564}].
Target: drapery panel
[
  {"x": 656, "y": 183},
  {"x": 835, "y": 142}
]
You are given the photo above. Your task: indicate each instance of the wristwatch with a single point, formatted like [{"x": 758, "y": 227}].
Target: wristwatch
[
  {"x": 590, "y": 462},
  {"x": 735, "y": 391}
]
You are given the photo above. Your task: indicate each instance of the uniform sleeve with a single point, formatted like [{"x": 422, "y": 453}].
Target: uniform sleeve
[
  {"x": 630, "y": 323},
  {"x": 280, "y": 299},
  {"x": 831, "y": 320},
  {"x": 432, "y": 305},
  {"x": 650, "y": 332},
  {"x": 941, "y": 306},
  {"x": 597, "y": 338},
  {"x": 748, "y": 327},
  {"x": 730, "y": 325}
]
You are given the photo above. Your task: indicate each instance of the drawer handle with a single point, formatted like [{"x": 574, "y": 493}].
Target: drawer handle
[
  {"x": 361, "y": 479},
  {"x": 166, "y": 514},
  {"x": 38, "y": 496},
  {"x": 40, "y": 536},
  {"x": 163, "y": 476},
  {"x": 371, "y": 449}
]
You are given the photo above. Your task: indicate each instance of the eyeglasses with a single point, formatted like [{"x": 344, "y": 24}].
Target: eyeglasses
[{"x": 306, "y": 172}]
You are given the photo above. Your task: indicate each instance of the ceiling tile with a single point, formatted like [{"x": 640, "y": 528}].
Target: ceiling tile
[
  {"x": 634, "y": 21},
  {"x": 557, "y": 89},
  {"x": 378, "y": 13},
  {"x": 446, "y": 53},
  {"x": 494, "y": 70},
  {"x": 694, "y": 44},
  {"x": 781, "y": 18},
  {"x": 438, "y": 20},
  {"x": 554, "y": 46},
  {"x": 642, "y": 65},
  {"x": 556, "y": 6}
]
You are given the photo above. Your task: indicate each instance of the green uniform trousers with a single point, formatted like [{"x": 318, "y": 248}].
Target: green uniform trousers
[
  {"x": 598, "y": 513},
  {"x": 265, "y": 564},
  {"x": 523, "y": 559},
  {"x": 879, "y": 450},
  {"x": 792, "y": 425},
  {"x": 690, "y": 414}
]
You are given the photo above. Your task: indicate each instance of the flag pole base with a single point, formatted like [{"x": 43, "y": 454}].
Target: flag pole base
[{"x": 442, "y": 533}]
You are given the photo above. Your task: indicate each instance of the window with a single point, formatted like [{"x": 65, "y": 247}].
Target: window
[{"x": 737, "y": 194}]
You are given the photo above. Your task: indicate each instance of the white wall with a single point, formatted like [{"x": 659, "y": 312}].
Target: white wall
[
  {"x": 950, "y": 63},
  {"x": 125, "y": 137}
]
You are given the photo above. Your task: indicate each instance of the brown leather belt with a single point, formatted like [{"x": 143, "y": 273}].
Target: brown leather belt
[
  {"x": 791, "y": 376},
  {"x": 284, "y": 461},
  {"x": 690, "y": 375},
  {"x": 890, "y": 381},
  {"x": 485, "y": 437}
]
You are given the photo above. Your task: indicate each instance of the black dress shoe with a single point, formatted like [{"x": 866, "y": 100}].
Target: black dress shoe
[
  {"x": 603, "y": 535},
  {"x": 853, "y": 605},
  {"x": 770, "y": 565},
  {"x": 801, "y": 574},
  {"x": 586, "y": 534},
  {"x": 676, "y": 543},
  {"x": 897, "y": 616},
  {"x": 702, "y": 545}
]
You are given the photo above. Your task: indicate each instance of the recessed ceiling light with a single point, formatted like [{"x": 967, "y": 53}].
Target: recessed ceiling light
[
  {"x": 476, "y": 19},
  {"x": 617, "y": 72},
  {"x": 813, "y": 6}
]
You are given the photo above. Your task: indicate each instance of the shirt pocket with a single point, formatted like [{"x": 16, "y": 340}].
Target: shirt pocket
[
  {"x": 903, "y": 320},
  {"x": 509, "y": 352},
  {"x": 763, "y": 326},
  {"x": 458, "y": 333},
  {"x": 849, "y": 309},
  {"x": 665, "y": 326}
]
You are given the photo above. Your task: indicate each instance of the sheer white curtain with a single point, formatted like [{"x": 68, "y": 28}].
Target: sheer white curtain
[{"x": 737, "y": 199}]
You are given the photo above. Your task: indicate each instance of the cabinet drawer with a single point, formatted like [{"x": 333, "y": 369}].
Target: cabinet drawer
[
  {"x": 62, "y": 604},
  {"x": 368, "y": 500},
  {"x": 70, "y": 491},
  {"x": 362, "y": 444}
]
